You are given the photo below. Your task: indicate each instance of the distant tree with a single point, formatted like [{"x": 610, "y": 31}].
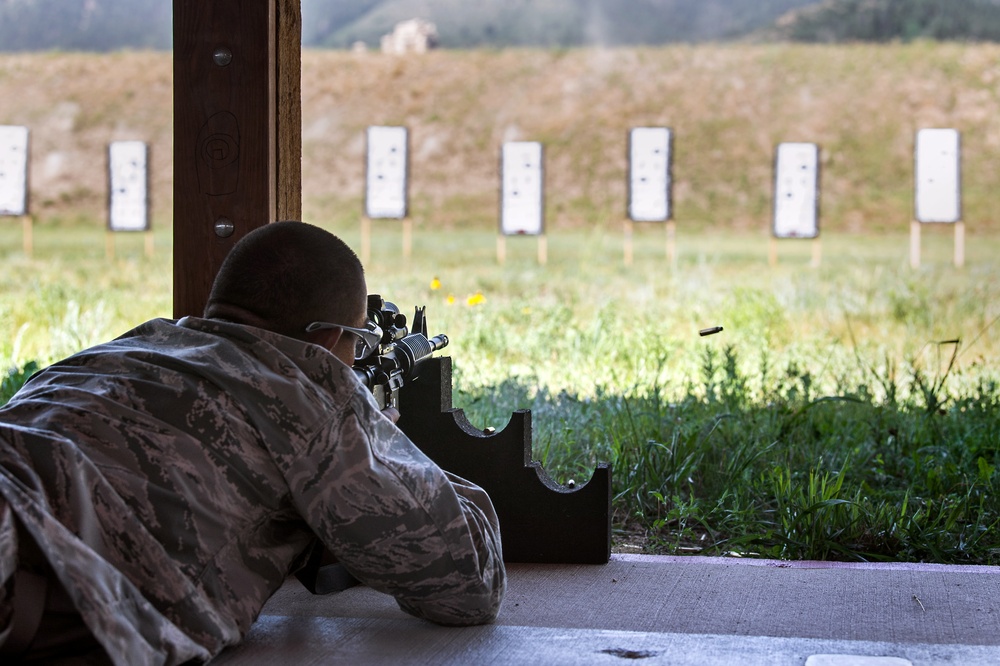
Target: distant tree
[{"x": 885, "y": 20}]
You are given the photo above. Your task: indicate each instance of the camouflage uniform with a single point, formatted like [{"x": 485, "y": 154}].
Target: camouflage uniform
[{"x": 175, "y": 476}]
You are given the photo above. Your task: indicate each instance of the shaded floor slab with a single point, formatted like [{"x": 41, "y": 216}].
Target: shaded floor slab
[{"x": 659, "y": 610}]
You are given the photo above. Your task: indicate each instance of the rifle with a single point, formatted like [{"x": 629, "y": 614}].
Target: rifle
[{"x": 397, "y": 358}]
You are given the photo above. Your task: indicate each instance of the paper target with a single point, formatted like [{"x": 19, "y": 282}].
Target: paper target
[
  {"x": 649, "y": 171},
  {"x": 128, "y": 182},
  {"x": 522, "y": 199},
  {"x": 387, "y": 171},
  {"x": 13, "y": 170},
  {"x": 796, "y": 191},
  {"x": 938, "y": 176}
]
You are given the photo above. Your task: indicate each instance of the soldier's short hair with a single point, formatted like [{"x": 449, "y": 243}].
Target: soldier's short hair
[{"x": 289, "y": 274}]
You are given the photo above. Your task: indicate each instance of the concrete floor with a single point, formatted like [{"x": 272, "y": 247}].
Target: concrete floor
[{"x": 661, "y": 610}]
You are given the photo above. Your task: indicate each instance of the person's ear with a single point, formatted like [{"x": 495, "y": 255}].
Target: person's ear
[{"x": 325, "y": 337}]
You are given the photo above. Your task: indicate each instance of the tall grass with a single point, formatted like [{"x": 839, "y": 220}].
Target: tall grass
[
  {"x": 850, "y": 411},
  {"x": 845, "y": 412},
  {"x": 833, "y": 417},
  {"x": 709, "y": 467}
]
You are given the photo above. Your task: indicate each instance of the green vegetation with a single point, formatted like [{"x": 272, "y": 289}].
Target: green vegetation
[
  {"x": 714, "y": 466},
  {"x": 847, "y": 411},
  {"x": 828, "y": 420},
  {"x": 887, "y": 20}
]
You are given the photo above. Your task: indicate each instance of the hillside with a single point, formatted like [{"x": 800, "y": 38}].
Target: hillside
[
  {"x": 461, "y": 24},
  {"x": 885, "y": 20},
  {"x": 108, "y": 25},
  {"x": 728, "y": 105}
]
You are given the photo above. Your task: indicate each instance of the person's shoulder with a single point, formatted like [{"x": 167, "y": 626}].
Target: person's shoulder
[
  {"x": 150, "y": 328},
  {"x": 237, "y": 332},
  {"x": 284, "y": 355}
]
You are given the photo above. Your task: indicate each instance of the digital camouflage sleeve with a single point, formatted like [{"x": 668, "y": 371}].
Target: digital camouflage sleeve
[{"x": 174, "y": 478}]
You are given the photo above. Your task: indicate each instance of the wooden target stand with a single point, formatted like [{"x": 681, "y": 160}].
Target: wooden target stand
[
  {"x": 22, "y": 209},
  {"x": 959, "y": 254},
  {"x": 366, "y": 238},
  {"x": 110, "y": 242},
  {"x": 670, "y": 242},
  {"x": 543, "y": 248},
  {"x": 27, "y": 234},
  {"x": 772, "y": 252}
]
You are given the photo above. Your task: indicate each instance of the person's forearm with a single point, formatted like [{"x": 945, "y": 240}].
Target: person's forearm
[
  {"x": 482, "y": 591},
  {"x": 402, "y": 525}
]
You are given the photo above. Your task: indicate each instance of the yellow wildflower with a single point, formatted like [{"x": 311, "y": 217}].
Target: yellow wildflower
[
  {"x": 476, "y": 299},
  {"x": 435, "y": 284}
]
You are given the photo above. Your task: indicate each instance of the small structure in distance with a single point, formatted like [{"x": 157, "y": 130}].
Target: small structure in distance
[{"x": 413, "y": 36}]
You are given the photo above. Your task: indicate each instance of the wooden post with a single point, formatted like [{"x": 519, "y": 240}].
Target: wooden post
[
  {"x": 672, "y": 244},
  {"x": 110, "y": 242},
  {"x": 407, "y": 237},
  {"x": 27, "y": 229},
  {"x": 914, "y": 244},
  {"x": 959, "y": 244},
  {"x": 237, "y": 131},
  {"x": 543, "y": 249},
  {"x": 772, "y": 252},
  {"x": 288, "y": 115},
  {"x": 629, "y": 231},
  {"x": 817, "y": 255},
  {"x": 501, "y": 248}
]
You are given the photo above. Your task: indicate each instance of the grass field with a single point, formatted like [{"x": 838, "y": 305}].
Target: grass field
[{"x": 847, "y": 411}]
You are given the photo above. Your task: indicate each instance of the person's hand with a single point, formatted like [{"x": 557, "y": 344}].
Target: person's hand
[{"x": 391, "y": 413}]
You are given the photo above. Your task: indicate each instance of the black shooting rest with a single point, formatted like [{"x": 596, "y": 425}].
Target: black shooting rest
[{"x": 541, "y": 521}]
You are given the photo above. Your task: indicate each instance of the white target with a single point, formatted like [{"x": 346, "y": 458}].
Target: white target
[
  {"x": 649, "y": 174},
  {"x": 128, "y": 181},
  {"x": 13, "y": 170},
  {"x": 938, "y": 176},
  {"x": 387, "y": 173},
  {"x": 522, "y": 199},
  {"x": 796, "y": 191}
]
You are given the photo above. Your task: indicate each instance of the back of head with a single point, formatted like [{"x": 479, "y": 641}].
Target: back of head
[{"x": 284, "y": 275}]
